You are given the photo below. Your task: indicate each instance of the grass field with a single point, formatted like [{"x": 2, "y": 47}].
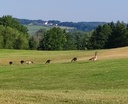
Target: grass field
[
  {"x": 32, "y": 29},
  {"x": 62, "y": 82}
]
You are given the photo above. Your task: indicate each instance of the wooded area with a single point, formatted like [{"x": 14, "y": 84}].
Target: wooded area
[{"x": 14, "y": 35}]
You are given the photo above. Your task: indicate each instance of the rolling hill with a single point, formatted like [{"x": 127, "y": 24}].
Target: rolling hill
[{"x": 62, "y": 82}]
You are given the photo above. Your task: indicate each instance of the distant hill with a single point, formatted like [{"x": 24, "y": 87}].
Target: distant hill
[
  {"x": 82, "y": 26},
  {"x": 32, "y": 29}
]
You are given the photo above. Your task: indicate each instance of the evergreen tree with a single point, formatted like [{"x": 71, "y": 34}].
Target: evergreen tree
[
  {"x": 99, "y": 38},
  {"x": 119, "y": 36}
]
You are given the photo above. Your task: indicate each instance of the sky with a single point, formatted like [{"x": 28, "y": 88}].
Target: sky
[{"x": 67, "y": 10}]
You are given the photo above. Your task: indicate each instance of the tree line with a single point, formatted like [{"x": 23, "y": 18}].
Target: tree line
[
  {"x": 81, "y": 26},
  {"x": 14, "y": 35},
  {"x": 111, "y": 35},
  {"x": 58, "y": 39}
]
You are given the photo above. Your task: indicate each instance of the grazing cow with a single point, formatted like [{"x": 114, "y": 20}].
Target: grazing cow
[
  {"x": 22, "y": 61},
  {"x": 74, "y": 59},
  {"x": 29, "y": 62},
  {"x": 10, "y": 62},
  {"x": 48, "y": 61}
]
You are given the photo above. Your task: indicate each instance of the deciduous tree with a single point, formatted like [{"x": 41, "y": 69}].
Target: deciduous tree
[{"x": 54, "y": 39}]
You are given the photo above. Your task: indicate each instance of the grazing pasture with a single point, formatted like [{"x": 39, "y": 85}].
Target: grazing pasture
[{"x": 104, "y": 81}]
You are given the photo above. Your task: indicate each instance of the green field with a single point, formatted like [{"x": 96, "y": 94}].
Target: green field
[
  {"x": 32, "y": 29},
  {"x": 62, "y": 82}
]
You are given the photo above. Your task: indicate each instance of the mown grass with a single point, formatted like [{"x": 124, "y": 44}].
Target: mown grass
[
  {"x": 64, "y": 97},
  {"x": 72, "y": 76},
  {"x": 62, "y": 82}
]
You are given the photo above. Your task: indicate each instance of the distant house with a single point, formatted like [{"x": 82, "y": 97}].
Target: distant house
[{"x": 48, "y": 24}]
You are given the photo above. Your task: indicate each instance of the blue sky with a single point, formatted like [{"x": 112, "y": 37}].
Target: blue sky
[{"x": 67, "y": 10}]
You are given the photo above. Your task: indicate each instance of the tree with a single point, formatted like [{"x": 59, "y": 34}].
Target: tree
[
  {"x": 70, "y": 43},
  {"x": 33, "y": 43},
  {"x": 13, "y": 35},
  {"x": 9, "y": 21},
  {"x": 8, "y": 36},
  {"x": 119, "y": 36},
  {"x": 85, "y": 40},
  {"x": 77, "y": 40},
  {"x": 99, "y": 37},
  {"x": 21, "y": 42},
  {"x": 2, "y": 28},
  {"x": 54, "y": 39}
]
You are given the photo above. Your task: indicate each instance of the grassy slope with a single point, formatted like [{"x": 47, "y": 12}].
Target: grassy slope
[
  {"x": 61, "y": 82},
  {"x": 32, "y": 29}
]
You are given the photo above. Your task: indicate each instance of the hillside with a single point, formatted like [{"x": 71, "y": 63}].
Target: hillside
[
  {"x": 32, "y": 29},
  {"x": 60, "y": 56},
  {"x": 62, "y": 82},
  {"x": 82, "y": 26}
]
